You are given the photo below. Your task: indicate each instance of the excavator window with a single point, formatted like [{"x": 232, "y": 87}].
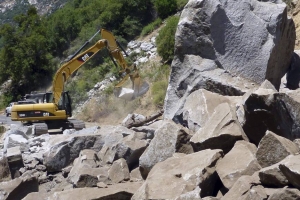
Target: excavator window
[
  {"x": 48, "y": 97},
  {"x": 68, "y": 104},
  {"x": 64, "y": 103}
]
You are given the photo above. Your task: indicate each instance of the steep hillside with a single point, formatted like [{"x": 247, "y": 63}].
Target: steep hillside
[
  {"x": 10, "y": 8},
  {"x": 104, "y": 109}
]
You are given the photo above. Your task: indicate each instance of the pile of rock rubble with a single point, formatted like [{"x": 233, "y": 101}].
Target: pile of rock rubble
[{"x": 162, "y": 160}]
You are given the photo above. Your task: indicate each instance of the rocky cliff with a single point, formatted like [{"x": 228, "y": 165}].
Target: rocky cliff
[{"x": 9, "y": 8}]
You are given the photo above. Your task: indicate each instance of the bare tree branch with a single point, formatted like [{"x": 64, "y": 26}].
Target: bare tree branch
[{"x": 146, "y": 120}]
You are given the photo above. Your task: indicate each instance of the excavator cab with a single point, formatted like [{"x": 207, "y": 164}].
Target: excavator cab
[
  {"x": 48, "y": 97},
  {"x": 64, "y": 103}
]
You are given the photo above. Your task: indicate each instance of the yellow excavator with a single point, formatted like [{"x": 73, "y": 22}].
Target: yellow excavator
[{"x": 54, "y": 109}]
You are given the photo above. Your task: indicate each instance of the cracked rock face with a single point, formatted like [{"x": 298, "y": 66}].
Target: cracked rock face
[
  {"x": 250, "y": 40},
  {"x": 179, "y": 175},
  {"x": 273, "y": 148},
  {"x": 239, "y": 161}
]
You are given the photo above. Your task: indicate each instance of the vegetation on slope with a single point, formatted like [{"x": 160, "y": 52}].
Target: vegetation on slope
[
  {"x": 106, "y": 109},
  {"x": 33, "y": 47},
  {"x": 165, "y": 40}
]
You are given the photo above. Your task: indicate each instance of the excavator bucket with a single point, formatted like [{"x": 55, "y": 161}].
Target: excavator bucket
[{"x": 139, "y": 88}]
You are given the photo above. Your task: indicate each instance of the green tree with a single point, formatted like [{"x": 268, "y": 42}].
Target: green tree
[
  {"x": 25, "y": 57},
  {"x": 63, "y": 27},
  {"x": 165, "y": 40},
  {"x": 165, "y": 8}
]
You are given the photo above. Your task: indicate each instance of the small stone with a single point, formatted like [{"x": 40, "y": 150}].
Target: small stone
[{"x": 101, "y": 185}]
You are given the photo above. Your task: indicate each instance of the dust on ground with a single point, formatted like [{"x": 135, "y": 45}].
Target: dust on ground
[{"x": 142, "y": 105}]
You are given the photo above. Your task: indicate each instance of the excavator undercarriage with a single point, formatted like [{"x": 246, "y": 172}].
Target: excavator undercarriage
[{"x": 57, "y": 125}]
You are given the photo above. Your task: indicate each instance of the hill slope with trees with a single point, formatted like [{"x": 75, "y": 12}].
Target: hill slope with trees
[{"x": 33, "y": 46}]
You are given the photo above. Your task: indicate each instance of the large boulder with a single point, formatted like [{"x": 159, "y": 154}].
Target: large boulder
[
  {"x": 135, "y": 175},
  {"x": 119, "y": 171},
  {"x": 131, "y": 149},
  {"x": 274, "y": 148},
  {"x": 88, "y": 157},
  {"x": 290, "y": 167},
  {"x": 250, "y": 39},
  {"x": 221, "y": 131},
  {"x": 257, "y": 111},
  {"x": 107, "y": 154},
  {"x": 200, "y": 106},
  {"x": 293, "y": 74},
  {"x": 81, "y": 176},
  {"x": 286, "y": 109},
  {"x": 15, "y": 161},
  {"x": 272, "y": 176},
  {"x": 85, "y": 171},
  {"x": 63, "y": 153},
  {"x": 285, "y": 193},
  {"x": 4, "y": 170},
  {"x": 267, "y": 109},
  {"x": 15, "y": 137},
  {"x": 246, "y": 187},
  {"x": 178, "y": 175},
  {"x": 204, "y": 74},
  {"x": 18, "y": 188},
  {"x": 168, "y": 139},
  {"x": 121, "y": 191},
  {"x": 63, "y": 149},
  {"x": 239, "y": 161}
]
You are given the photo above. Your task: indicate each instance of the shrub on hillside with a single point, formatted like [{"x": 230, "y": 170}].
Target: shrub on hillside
[
  {"x": 165, "y": 41},
  {"x": 165, "y": 8},
  {"x": 151, "y": 27},
  {"x": 5, "y": 100},
  {"x": 158, "y": 75},
  {"x": 181, "y": 4},
  {"x": 158, "y": 91}
]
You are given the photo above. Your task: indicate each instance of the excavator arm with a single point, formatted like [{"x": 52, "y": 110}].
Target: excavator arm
[
  {"x": 70, "y": 67},
  {"x": 139, "y": 87},
  {"x": 108, "y": 41}
]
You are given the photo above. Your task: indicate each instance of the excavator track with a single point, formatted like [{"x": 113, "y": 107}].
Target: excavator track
[
  {"x": 40, "y": 128},
  {"x": 76, "y": 124}
]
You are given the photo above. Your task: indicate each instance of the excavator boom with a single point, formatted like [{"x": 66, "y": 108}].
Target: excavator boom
[{"x": 63, "y": 73}]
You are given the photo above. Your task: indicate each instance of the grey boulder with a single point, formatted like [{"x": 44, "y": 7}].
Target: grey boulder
[
  {"x": 273, "y": 148},
  {"x": 178, "y": 175},
  {"x": 168, "y": 139}
]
